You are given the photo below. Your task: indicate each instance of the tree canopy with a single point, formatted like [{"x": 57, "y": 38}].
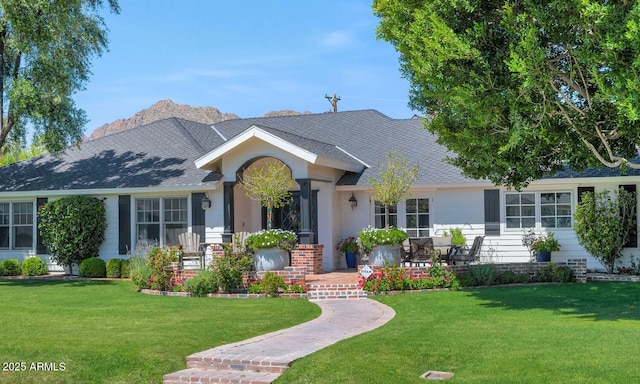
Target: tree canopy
[
  {"x": 519, "y": 89},
  {"x": 269, "y": 184},
  {"x": 45, "y": 52},
  {"x": 395, "y": 178}
]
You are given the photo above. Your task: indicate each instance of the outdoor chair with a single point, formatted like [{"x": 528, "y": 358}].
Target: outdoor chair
[
  {"x": 473, "y": 254},
  {"x": 421, "y": 251},
  {"x": 238, "y": 245},
  {"x": 191, "y": 250}
]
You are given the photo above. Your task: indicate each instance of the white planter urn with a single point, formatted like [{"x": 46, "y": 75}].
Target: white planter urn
[
  {"x": 270, "y": 259},
  {"x": 389, "y": 253}
]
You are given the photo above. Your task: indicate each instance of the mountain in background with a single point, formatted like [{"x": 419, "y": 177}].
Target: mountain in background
[{"x": 166, "y": 108}]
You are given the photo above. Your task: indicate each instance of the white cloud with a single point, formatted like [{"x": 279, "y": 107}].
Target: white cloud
[{"x": 338, "y": 39}]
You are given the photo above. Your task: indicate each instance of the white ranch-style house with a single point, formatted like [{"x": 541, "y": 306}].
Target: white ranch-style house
[{"x": 154, "y": 178}]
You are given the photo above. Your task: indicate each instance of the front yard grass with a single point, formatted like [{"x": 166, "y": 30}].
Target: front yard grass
[
  {"x": 552, "y": 333},
  {"x": 105, "y": 332}
]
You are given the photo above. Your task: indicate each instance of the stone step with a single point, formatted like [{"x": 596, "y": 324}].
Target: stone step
[
  {"x": 197, "y": 375},
  {"x": 205, "y": 360},
  {"x": 320, "y": 291}
]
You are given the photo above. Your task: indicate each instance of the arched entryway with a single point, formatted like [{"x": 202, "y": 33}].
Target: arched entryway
[{"x": 242, "y": 214}]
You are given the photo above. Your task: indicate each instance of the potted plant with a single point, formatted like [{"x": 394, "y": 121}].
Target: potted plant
[
  {"x": 383, "y": 245},
  {"x": 457, "y": 237},
  {"x": 349, "y": 246},
  {"x": 271, "y": 248},
  {"x": 541, "y": 245}
]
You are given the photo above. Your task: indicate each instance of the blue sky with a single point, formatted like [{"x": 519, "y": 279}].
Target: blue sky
[{"x": 245, "y": 57}]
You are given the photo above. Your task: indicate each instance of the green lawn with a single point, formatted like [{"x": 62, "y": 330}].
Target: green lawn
[
  {"x": 574, "y": 333},
  {"x": 105, "y": 332}
]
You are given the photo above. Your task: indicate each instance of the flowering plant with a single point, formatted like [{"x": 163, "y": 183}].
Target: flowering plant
[
  {"x": 540, "y": 243},
  {"x": 348, "y": 244},
  {"x": 370, "y": 237},
  {"x": 271, "y": 238}
]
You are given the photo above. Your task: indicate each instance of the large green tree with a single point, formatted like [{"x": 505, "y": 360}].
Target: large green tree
[
  {"x": 520, "y": 88},
  {"x": 45, "y": 52}
]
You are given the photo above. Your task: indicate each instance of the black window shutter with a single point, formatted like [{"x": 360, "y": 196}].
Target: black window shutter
[
  {"x": 633, "y": 239},
  {"x": 197, "y": 215},
  {"x": 582, "y": 190},
  {"x": 492, "y": 212},
  {"x": 124, "y": 224},
  {"x": 40, "y": 247}
]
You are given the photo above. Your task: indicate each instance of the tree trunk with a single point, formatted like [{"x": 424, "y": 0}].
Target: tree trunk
[
  {"x": 269, "y": 212},
  {"x": 386, "y": 217}
]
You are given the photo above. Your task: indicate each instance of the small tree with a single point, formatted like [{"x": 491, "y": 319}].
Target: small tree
[
  {"x": 604, "y": 225},
  {"x": 269, "y": 185},
  {"x": 72, "y": 228},
  {"x": 393, "y": 183}
]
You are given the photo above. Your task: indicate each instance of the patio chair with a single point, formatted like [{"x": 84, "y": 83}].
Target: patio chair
[
  {"x": 238, "y": 245},
  {"x": 473, "y": 254},
  {"x": 422, "y": 251},
  {"x": 191, "y": 250}
]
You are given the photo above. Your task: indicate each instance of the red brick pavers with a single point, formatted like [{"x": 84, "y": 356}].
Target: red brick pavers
[{"x": 263, "y": 358}]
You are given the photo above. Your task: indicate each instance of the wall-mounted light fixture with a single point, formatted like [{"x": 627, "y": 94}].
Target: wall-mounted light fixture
[
  {"x": 205, "y": 202},
  {"x": 353, "y": 201}
]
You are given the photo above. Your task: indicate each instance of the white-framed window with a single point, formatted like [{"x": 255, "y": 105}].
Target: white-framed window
[
  {"x": 544, "y": 209},
  {"x": 16, "y": 225},
  {"x": 417, "y": 217},
  {"x": 380, "y": 217},
  {"x": 555, "y": 209},
  {"x": 412, "y": 214},
  {"x": 161, "y": 219}
]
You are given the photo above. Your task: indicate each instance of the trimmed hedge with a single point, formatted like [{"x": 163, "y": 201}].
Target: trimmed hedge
[
  {"x": 93, "y": 267},
  {"x": 34, "y": 266},
  {"x": 114, "y": 268},
  {"x": 10, "y": 267}
]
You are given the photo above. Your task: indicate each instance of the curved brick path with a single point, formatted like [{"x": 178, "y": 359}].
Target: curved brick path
[{"x": 263, "y": 358}]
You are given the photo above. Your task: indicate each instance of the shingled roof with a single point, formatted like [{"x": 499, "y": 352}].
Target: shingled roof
[
  {"x": 366, "y": 135},
  {"x": 160, "y": 154}
]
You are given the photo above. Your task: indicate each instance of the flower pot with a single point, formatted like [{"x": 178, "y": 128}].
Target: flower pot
[
  {"x": 352, "y": 261},
  {"x": 388, "y": 253},
  {"x": 270, "y": 259},
  {"x": 543, "y": 256}
]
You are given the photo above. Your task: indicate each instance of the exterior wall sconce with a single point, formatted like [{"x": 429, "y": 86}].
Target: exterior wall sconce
[
  {"x": 353, "y": 201},
  {"x": 205, "y": 202}
]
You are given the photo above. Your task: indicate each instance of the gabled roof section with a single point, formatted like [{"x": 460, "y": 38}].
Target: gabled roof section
[
  {"x": 311, "y": 150},
  {"x": 367, "y": 135},
  {"x": 159, "y": 154}
]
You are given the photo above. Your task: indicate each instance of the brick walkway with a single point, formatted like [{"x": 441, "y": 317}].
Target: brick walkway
[{"x": 262, "y": 359}]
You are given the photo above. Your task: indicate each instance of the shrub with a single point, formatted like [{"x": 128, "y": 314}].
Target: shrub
[
  {"x": 160, "y": 259},
  {"x": 271, "y": 284},
  {"x": 93, "y": 267},
  {"x": 510, "y": 277},
  {"x": 114, "y": 268},
  {"x": 72, "y": 228},
  {"x": 481, "y": 274},
  {"x": 229, "y": 270},
  {"x": 10, "y": 267},
  {"x": 203, "y": 283},
  {"x": 604, "y": 225},
  {"x": 34, "y": 266},
  {"x": 391, "y": 277},
  {"x": 124, "y": 270},
  {"x": 140, "y": 272},
  {"x": 556, "y": 274}
]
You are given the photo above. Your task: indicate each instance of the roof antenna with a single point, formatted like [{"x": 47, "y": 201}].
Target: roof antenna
[{"x": 333, "y": 100}]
